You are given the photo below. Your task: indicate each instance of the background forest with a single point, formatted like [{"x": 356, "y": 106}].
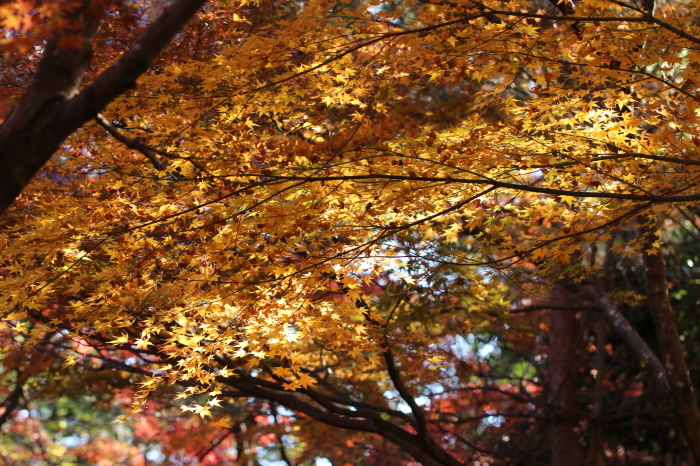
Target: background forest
[{"x": 282, "y": 232}]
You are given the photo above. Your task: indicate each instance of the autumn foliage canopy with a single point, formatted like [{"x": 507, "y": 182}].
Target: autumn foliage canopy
[{"x": 375, "y": 232}]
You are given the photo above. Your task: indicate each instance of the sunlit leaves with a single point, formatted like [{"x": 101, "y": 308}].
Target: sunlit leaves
[{"x": 315, "y": 158}]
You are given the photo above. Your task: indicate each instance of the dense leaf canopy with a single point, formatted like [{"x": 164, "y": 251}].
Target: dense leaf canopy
[{"x": 318, "y": 205}]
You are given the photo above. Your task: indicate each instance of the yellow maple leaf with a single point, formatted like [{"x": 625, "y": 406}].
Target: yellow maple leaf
[
  {"x": 222, "y": 423},
  {"x": 203, "y": 411},
  {"x": 69, "y": 361},
  {"x": 214, "y": 402},
  {"x": 120, "y": 340},
  {"x": 306, "y": 381}
]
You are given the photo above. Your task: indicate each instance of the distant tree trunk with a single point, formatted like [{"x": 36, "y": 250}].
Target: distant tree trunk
[
  {"x": 670, "y": 345},
  {"x": 564, "y": 440},
  {"x": 595, "y": 444},
  {"x": 246, "y": 449}
]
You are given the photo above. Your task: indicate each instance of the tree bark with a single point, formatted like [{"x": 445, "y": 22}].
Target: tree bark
[
  {"x": 51, "y": 109},
  {"x": 595, "y": 444},
  {"x": 670, "y": 345},
  {"x": 564, "y": 440},
  {"x": 623, "y": 328}
]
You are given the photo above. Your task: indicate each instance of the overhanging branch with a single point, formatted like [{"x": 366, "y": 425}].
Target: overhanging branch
[{"x": 49, "y": 112}]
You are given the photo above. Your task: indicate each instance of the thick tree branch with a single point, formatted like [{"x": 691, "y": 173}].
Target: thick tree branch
[
  {"x": 25, "y": 144},
  {"x": 49, "y": 111},
  {"x": 342, "y": 398},
  {"x": 627, "y": 332},
  {"x": 424, "y": 437},
  {"x": 323, "y": 410},
  {"x": 294, "y": 403},
  {"x": 395, "y": 376},
  {"x": 12, "y": 401}
]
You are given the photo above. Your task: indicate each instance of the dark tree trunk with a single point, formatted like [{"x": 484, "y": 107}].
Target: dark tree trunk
[
  {"x": 52, "y": 108},
  {"x": 670, "y": 345},
  {"x": 564, "y": 440},
  {"x": 595, "y": 444}
]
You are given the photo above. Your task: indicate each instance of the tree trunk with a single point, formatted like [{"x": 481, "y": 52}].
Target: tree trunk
[
  {"x": 52, "y": 108},
  {"x": 670, "y": 345},
  {"x": 564, "y": 440},
  {"x": 595, "y": 444}
]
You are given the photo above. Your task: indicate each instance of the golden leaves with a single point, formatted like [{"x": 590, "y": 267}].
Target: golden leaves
[
  {"x": 303, "y": 381},
  {"x": 318, "y": 166}
]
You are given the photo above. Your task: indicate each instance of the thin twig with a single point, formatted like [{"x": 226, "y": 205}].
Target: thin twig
[
  {"x": 549, "y": 307},
  {"x": 151, "y": 153},
  {"x": 132, "y": 143}
]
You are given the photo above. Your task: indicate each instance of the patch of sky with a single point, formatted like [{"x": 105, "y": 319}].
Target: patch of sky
[
  {"x": 264, "y": 462},
  {"x": 466, "y": 346},
  {"x": 422, "y": 400},
  {"x": 282, "y": 411},
  {"x": 399, "y": 404},
  {"x": 493, "y": 421},
  {"x": 318, "y": 461},
  {"x": 73, "y": 441},
  {"x": 155, "y": 456}
]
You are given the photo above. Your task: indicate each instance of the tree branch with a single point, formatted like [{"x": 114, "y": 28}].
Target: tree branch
[
  {"x": 495, "y": 184},
  {"x": 49, "y": 112},
  {"x": 418, "y": 413},
  {"x": 545, "y": 307},
  {"x": 132, "y": 143},
  {"x": 627, "y": 332},
  {"x": 12, "y": 400}
]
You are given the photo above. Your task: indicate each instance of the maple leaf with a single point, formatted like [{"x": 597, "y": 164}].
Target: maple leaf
[
  {"x": 203, "y": 411},
  {"x": 282, "y": 372},
  {"x": 120, "y": 340},
  {"x": 291, "y": 386},
  {"x": 69, "y": 361},
  {"x": 142, "y": 343},
  {"x": 452, "y": 233},
  {"x": 222, "y": 423},
  {"x": 214, "y": 402},
  {"x": 252, "y": 362},
  {"x": 305, "y": 380},
  {"x": 354, "y": 295},
  {"x": 356, "y": 353}
]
